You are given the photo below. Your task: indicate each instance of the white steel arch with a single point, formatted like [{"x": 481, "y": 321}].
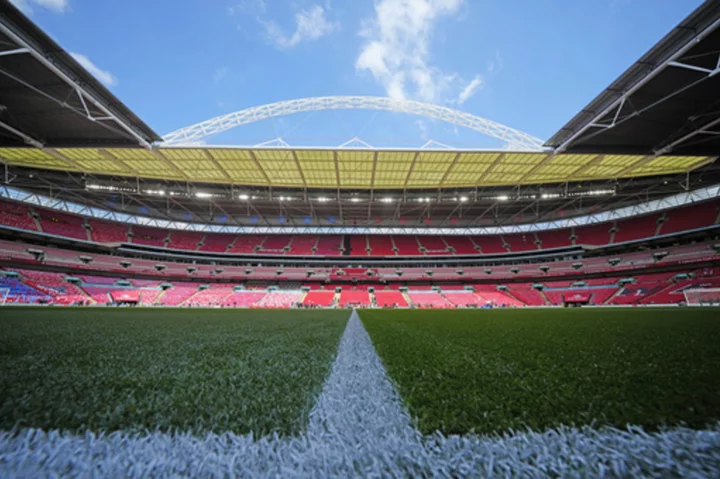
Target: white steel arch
[{"x": 514, "y": 139}]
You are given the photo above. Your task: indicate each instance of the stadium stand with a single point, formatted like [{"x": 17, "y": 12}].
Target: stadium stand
[
  {"x": 427, "y": 299},
  {"x": 329, "y": 245},
  {"x": 21, "y": 293},
  {"x": 303, "y": 245},
  {"x": 178, "y": 294},
  {"x": 390, "y": 299},
  {"x": 148, "y": 236},
  {"x": 354, "y": 298},
  {"x": 236, "y": 299},
  {"x": 107, "y": 231},
  {"x": 464, "y": 298},
  {"x": 216, "y": 243},
  {"x": 522, "y": 242},
  {"x": 279, "y": 299},
  {"x": 319, "y": 298},
  {"x": 490, "y": 244},
  {"x": 185, "y": 240},
  {"x": 381, "y": 245},
  {"x": 214, "y": 295},
  {"x": 636, "y": 228},
  {"x": 554, "y": 239},
  {"x": 461, "y": 245},
  {"x": 17, "y": 215},
  {"x": 60, "y": 224},
  {"x": 690, "y": 217}
]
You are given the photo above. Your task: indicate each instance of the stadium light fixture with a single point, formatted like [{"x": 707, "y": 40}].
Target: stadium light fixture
[
  {"x": 387, "y": 199},
  {"x": 503, "y": 198},
  {"x": 202, "y": 194},
  {"x": 244, "y": 197},
  {"x": 463, "y": 199}
]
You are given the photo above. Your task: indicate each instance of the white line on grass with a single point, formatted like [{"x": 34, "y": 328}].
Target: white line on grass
[{"x": 360, "y": 428}]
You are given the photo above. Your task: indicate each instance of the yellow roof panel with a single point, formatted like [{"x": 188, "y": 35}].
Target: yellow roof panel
[{"x": 351, "y": 168}]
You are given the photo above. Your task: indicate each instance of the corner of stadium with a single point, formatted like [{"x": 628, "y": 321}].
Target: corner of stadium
[{"x": 613, "y": 222}]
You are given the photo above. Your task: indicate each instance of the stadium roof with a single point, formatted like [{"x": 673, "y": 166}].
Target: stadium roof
[
  {"x": 666, "y": 102},
  {"x": 349, "y": 168},
  {"x": 48, "y": 100}
]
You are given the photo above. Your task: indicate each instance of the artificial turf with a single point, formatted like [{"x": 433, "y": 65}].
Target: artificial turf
[
  {"x": 196, "y": 370},
  {"x": 489, "y": 371}
]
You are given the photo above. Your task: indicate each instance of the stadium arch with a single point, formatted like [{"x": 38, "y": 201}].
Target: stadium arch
[{"x": 514, "y": 139}]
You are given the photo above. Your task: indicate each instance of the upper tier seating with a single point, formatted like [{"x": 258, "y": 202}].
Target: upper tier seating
[
  {"x": 433, "y": 245},
  {"x": 108, "y": 232},
  {"x": 303, "y": 245},
  {"x": 216, "y": 243},
  {"x": 16, "y": 215},
  {"x": 389, "y": 299},
  {"x": 690, "y": 217},
  {"x": 593, "y": 235},
  {"x": 185, "y": 240},
  {"x": 275, "y": 244},
  {"x": 406, "y": 245},
  {"x": 359, "y": 245},
  {"x": 329, "y": 245},
  {"x": 246, "y": 244},
  {"x": 520, "y": 242},
  {"x": 61, "y": 224},
  {"x": 148, "y": 236},
  {"x": 461, "y": 245},
  {"x": 636, "y": 228},
  {"x": 554, "y": 239},
  {"x": 489, "y": 244},
  {"x": 381, "y": 245}
]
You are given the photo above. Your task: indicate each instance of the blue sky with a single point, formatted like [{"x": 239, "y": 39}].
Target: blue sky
[{"x": 527, "y": 64}]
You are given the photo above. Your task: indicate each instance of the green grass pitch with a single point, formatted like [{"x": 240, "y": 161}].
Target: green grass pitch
[
  {"x": 195, "y": 370},
  {"x": 492, "y": 370}
]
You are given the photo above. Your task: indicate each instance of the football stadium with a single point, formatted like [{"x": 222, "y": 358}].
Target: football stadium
[{"x": 171, "y": 306}]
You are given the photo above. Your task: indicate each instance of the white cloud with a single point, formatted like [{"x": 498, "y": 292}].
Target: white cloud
[
  {"x": 25, "y": 6},
  {"x": 470, "y": 89},
  {"x": 103, "y": 75},
  {"x": 247, "y": 6},
  {"x": 219, "y": 74},
  {"x": 309, "y": 25},
  {"x": 396, "y": 51}
]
